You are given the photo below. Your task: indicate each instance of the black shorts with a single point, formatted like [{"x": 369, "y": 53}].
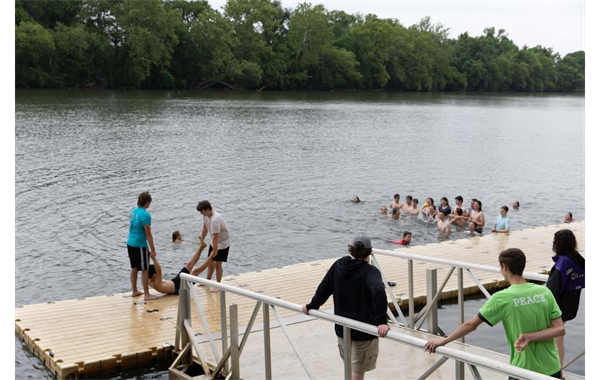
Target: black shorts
[
  {"x": 177, "y": 280},
  {"x": 479, "y": 230},
  {"x": 139, "y": 257},
  {"x": 221, "y": 254}
]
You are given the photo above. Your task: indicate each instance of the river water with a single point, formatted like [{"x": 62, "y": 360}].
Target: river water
[{"x": 281, "y": 168}]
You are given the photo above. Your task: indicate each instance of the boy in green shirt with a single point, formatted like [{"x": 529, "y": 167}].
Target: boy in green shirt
[{"x": 529, "y": 314}]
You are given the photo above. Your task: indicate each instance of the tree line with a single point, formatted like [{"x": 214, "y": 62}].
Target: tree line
[{"x": 258, "y": 44}]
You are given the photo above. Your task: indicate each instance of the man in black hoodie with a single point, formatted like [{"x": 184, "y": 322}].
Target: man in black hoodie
[{"x": 359, "y": 294}]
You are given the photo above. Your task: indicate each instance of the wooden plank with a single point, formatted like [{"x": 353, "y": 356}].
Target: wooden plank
[{"x": 102, "y": 334}]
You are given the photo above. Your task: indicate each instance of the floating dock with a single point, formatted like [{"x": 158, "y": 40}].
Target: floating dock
[{"x": 87, "y": 337}]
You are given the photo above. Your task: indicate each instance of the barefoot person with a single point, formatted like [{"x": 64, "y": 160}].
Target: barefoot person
[
  {"x": 219, "y": 242},
  {"x": 157, "y": 282},
  {"x": 140, "y": 237}
]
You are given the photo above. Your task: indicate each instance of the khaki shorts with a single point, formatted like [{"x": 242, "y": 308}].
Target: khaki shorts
[{"x": 364, "y": 354}]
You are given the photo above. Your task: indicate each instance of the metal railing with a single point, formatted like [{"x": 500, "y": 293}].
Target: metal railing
[
  {"x": 460, "y": 266},
  {"x": 185, "y": 338},
  {"x": 431, "y": 306}
]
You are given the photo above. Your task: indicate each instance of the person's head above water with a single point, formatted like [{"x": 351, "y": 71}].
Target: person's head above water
[
  {"x": 177, "y": 237},
  {"x": 516, "y": 205},
  {"x": 384, "y": 210},
  {"x": 458, "y": 200},
  {"x": 407, "y": 237},
  {"x": 356, "y": 199},
  {"x": 397, "y": 197},
  {"x": 409, "y": 199},
  {"x": 415, "y": 202},
  {"x": 477, "y": 203},
  {"x": 568, "y": 217},
  {"x": 444, "y": 201}
]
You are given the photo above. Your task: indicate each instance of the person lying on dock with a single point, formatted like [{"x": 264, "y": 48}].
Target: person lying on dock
[
  {"x": 529, "y": 314},
  {"x": 159, "y": 284}
]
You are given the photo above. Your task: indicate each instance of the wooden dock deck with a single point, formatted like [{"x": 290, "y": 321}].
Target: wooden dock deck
[{"x": 107, "y": 333}]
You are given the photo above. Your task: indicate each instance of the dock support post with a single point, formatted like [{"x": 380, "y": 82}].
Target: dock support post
[
  {"x": 432, "y": 318},
  {"x": 347, "y": 353},
  {"x": 411, "y": 296},
  {"x": 185, "y": 314},
  {"x": 235, "y": 355},
  {"x": 460, "y": 366},
  {"x": 223, "y": 304},
  {"x": 267, "y": 338}
]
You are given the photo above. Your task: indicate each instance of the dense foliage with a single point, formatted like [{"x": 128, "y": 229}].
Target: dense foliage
[{"x": 258, "y": 44}]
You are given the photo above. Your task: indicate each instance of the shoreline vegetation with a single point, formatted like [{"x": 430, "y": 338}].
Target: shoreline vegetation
[{"x": 256, "y": 45}]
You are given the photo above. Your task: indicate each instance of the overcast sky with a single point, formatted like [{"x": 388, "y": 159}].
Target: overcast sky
[{"x": 556, "y": 24}]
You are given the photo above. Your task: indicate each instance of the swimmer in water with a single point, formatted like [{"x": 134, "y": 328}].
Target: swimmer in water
[
  {"x": 396, "y": 204},
  {"x": 477, "y": 218},
  {"x": 459, "y": 205},
  {"x": 443, "y": 225},
  {"x": 383, "y": 210},
  {"x": 395, "y": 213},
  {"x": 177, "y": 237},
  {"x": 408, "y": 204},
  {"x": 458, "y": 220},
  {"x": 406, "y": 238},
  {"x": 356, "y": 199},
  {"x": 569, "y": 218},
  {"x": 516, "y": 205},
  {"x": 414, "y": 207},
  {"x": 445, "y": 208}
]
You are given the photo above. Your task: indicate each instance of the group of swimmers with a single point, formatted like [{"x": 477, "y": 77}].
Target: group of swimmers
[{"x": 446, "y": 216}]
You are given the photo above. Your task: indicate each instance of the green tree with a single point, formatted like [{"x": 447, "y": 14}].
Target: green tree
[
  {"x": 372, "y": 40},
  {"x": 81, "y": 57},
  {"x": 258, "y": 25},
  {"x": 571, "y": 72},
  {"x": 182, "y": 62},
  {"x": 213, "y": 43},
  {"x": 258, "y": 44},
  {"x": 34, "y": 52},
  {"x": 307, "y": 37},
  {"x": 337, "y": 68},
  {"x": 340, "y": 23},
  {"x": 49, "y": 13},
  {"x": 21, "y": 14},
  {"x": 144, "y": 35}
]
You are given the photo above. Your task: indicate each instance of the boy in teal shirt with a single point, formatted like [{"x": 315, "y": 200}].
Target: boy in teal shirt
[{"x": 529, "y": 314}]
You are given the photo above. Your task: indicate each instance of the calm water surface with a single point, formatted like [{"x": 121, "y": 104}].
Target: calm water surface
[{"x": 281, "y": 168}]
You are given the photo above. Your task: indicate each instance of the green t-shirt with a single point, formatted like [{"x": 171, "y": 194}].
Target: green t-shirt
[{"x": 526, "y": 308}]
